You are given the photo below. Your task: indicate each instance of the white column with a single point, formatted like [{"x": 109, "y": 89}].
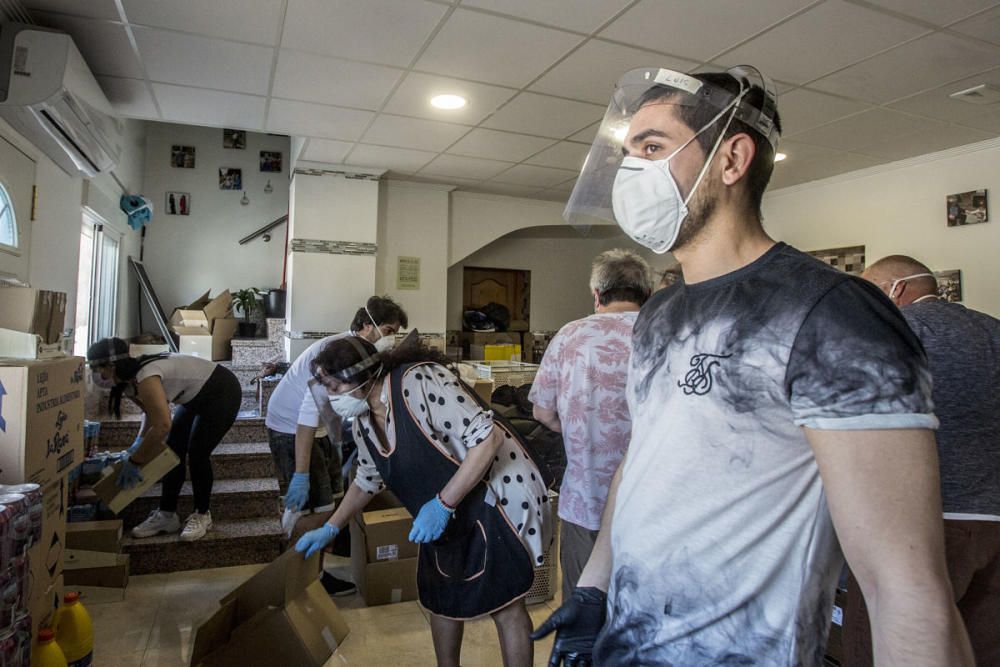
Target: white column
[{"x": 333, "y": 223}]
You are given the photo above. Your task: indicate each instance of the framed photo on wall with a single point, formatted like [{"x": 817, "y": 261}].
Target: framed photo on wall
[
  {"x": 949, "y": 284},
  {"x": 967, "y": 208},
  {"x": 234, "y": 139},
  {"x": 230, "y": 179},
  {"x": 178, "y": 203},
  {"x": 270, "y": 161},
  {"x": 182, "y": 157}
]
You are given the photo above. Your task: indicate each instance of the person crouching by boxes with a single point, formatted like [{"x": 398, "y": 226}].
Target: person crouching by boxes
[
  {"x": 480, "y": 506},
  {"x": 207, "y": 396}
]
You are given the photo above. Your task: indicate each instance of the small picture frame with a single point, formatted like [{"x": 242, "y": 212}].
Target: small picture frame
[
  {"x": 182, "y": 157},
  {"x": 270, "y": 161},
  {"x": 949, "y": 284},
  {"x": 230, "y": 179},
  {"x": 234, "y": 139},
  {"x": 967, "y": 208},
  {"x": 178, "y": 203}
]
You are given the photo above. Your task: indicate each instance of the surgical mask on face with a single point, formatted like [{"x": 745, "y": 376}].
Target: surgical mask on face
[
  {"x": 385, "y": 343},
  {"x": 892, "y": 288},
  {"x": 646, "y": 199},
  {"x": 101, "y": 382},
  {"x": 347, "y": 405}
]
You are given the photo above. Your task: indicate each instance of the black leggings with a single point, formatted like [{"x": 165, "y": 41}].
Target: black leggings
[{"x": 198, "y": 427}]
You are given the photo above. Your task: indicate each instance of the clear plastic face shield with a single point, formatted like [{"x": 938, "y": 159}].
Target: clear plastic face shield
[{"x": 591, "y": 201}]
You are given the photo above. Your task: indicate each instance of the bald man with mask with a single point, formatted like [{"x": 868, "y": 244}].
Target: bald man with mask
[{"x": 963, "y": 350}]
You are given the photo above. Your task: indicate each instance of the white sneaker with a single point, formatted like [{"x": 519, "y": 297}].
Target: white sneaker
[
  {"x": 158, "y": 522},
  {"x": 196, "y": 526}
]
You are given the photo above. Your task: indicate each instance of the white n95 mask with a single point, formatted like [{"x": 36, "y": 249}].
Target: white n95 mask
[
  {"x": 346, "y": 405},
  {"x": 385, "y": 343},
  {"x": 646, "y": 199}
]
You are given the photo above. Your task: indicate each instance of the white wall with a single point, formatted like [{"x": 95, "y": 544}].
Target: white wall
[
  {"x": 478, "y": 219},
  {"x": 187, "y": 255},
  {"x": 900, "y": 209},
  {"x": 413, "y": 222},
  {"x": 54, "y": 252},
  {"x": 560, "y": 272}
]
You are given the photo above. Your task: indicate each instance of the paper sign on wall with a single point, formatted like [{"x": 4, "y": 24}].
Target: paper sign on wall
[{"x": 408, "y": 273}]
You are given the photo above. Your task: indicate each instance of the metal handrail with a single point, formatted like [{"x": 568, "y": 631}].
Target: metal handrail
[{"x": 264, "y": 230}]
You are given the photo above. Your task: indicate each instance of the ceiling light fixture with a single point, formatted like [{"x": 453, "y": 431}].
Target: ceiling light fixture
[
  {"x": 778, "y": 157},
  {"x": 449, "y": 102}
]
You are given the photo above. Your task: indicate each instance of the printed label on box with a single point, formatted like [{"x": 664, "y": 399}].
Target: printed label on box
[{"x": 387, "y": 552}]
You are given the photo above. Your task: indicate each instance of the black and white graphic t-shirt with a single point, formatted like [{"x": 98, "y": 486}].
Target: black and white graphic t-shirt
[{"x": 724, "y": 550}]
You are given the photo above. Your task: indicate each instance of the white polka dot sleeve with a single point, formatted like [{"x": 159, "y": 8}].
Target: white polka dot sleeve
[
  {"x": 449, "y": 409},
  {"x": 368, "y": 478}
]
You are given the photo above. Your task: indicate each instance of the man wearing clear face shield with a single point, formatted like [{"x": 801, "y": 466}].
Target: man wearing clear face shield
[
  {"x": 306, "y": 456},
  {"x": 777, "y": 405}
]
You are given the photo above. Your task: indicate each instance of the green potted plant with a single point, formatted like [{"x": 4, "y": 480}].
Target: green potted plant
[{"x": 247, "y": 300}]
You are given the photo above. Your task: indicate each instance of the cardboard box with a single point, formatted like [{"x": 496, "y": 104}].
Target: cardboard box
[
  {"x": 474, "y": 342},
  {"x": 107, "y": 576},
  {"x": 117, "y": 498},
  {"x": 281, "y": 612},
  {"x": 206, "y": 327},
  {"x": 105, "y": 536},
  {"x": 139, "y": 350},
  {"x": 383, "y": 560},
  {"x": 484, "y": 388},
  {"x": 45, "y": 559},
  {"x": 20, "y": 345},
  {"x": 34, "y": 311},
  {"x": 41, "y": 419}
]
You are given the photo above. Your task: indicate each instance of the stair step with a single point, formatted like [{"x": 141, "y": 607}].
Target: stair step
[
  {"x": 231, "y": 499},
  {"x": 229, "y": 542},
  {"x": 118, "y": 434},
  {"x": 243, "y": 460}
]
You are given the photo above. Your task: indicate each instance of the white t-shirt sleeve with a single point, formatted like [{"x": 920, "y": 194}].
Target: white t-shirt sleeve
[{"x": 308, "y": 411}]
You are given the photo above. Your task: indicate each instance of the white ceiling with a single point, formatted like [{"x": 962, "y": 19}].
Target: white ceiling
[{"x": 862, "y": 82}]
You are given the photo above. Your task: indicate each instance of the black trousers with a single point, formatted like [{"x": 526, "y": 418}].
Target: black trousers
[{"x": 197, "y": 429}]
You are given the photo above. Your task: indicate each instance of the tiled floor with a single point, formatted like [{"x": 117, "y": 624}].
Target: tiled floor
[{"x": 154, "y": 625}]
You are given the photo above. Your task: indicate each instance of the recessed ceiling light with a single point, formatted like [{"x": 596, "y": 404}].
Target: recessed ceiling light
[
  {"x": 448, "y": 101},
  {"x": 778, "y": 157}
]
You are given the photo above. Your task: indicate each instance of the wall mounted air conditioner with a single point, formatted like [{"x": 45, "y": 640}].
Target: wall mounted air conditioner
[{"x": 49, "y": 95}]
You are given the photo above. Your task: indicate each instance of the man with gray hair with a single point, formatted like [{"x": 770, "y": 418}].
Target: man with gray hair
[
  {"x": 579, "y": 391},
  {"x": 963, "y": 351}
]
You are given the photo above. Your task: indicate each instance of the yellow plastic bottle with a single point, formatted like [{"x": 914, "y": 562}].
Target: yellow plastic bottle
[
  {"x": 75, "y": 632},
  {"x": 47, "y": 652}
]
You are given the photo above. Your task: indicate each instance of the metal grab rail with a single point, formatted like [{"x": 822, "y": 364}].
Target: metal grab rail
[{"x": 264, "y": 230}]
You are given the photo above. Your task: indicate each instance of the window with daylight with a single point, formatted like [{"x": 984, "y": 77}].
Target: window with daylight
[{"x": 8, "y": 224}]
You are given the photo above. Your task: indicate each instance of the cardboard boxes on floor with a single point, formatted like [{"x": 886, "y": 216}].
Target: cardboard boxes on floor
[
  {"x": 206, "y": 327},
  {"x": 383, "y": 560},
  {"x": 281, "y": 614},
  {"x": 93, "y": 555}
]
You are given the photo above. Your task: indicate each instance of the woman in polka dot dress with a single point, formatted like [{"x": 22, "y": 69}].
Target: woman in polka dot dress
[{"x": 481, "y": 508}]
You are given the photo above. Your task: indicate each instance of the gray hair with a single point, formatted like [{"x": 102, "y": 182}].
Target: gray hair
[{"x": 621, "y": 275}]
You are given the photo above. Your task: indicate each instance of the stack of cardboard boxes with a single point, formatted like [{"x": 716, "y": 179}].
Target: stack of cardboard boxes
[
  {"x": 31, "y": 323},
  {"x": 94, "y": 557},
  {"x": 41, "y": 441},
  {"x": 206, "y": 327},
  {"x": 383, "y": 560}
]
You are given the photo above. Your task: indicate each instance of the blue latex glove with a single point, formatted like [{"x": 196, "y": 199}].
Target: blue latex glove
[
  {"x": 315, "y": 540},
  {"x": 430, "y": 522},
  {"x": 135, "y": 445},
  {"x": 129, "y": 475},
  {"x": 298, "y": 492}
]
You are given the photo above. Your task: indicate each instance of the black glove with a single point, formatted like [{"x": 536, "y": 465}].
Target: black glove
[{"x": 576, "y": 623}]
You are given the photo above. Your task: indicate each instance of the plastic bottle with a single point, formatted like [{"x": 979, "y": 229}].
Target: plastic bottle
[
  {"x": 75, "y": 632},
  {"x": 47, "y": 653}
]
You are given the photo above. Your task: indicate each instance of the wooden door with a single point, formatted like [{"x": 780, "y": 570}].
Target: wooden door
[{"x": 510, "y": 287}]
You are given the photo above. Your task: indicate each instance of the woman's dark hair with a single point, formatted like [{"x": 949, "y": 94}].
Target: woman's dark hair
[
  {"x": 384, "y": 310},
  {"x": 114, "y": 352},
  {"x": 339, "y": 355}
]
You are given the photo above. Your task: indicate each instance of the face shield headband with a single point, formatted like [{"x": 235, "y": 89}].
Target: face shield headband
[{"x": 591, "y": 199}]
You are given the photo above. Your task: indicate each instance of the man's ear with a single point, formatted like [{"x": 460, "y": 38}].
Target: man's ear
[{"x": 736, "y": 155}]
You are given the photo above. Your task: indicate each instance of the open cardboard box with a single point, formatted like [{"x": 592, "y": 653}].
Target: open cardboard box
[
  {"x": 383, "y": 560},
  {"x": 206, "y": 327},
  {"x": 281, "y": 614},
  {"x": 33, "y": 311}
]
